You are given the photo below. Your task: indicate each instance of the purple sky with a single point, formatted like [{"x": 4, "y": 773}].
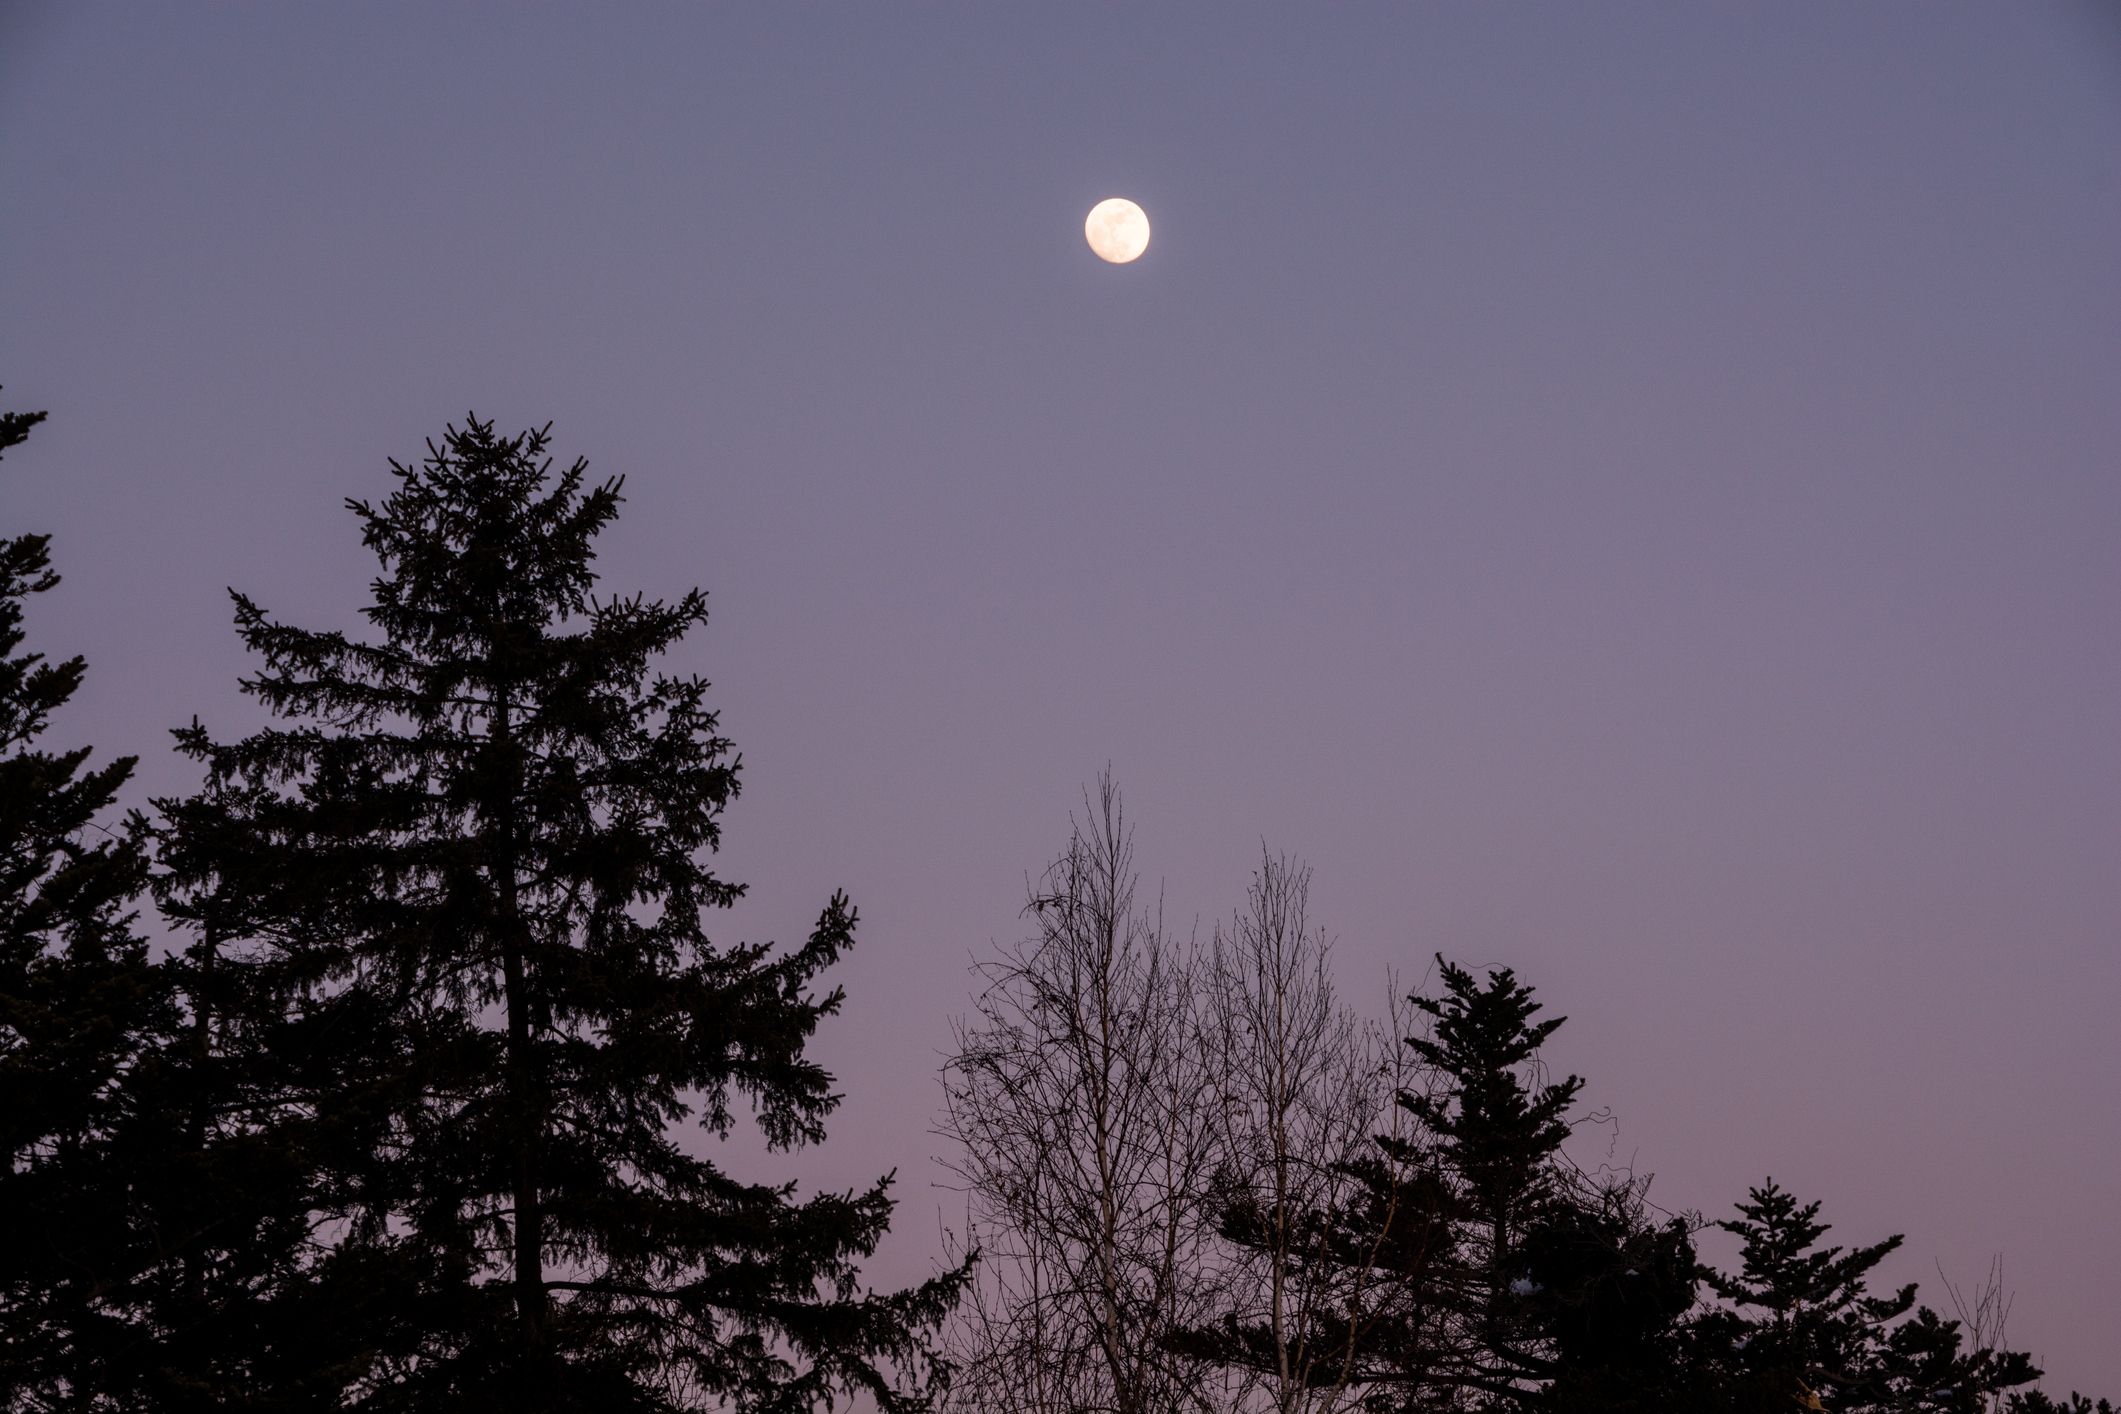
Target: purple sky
[{"x": 1628, "y": 492}]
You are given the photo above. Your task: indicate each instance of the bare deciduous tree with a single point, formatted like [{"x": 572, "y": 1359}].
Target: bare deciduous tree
[
  {"x": 1170, "y": 1160},
  {"x": 1305, "y": 1087},
  {"x": 1075, "y": 1100},
  {"x": 1985, "y": 1315}
]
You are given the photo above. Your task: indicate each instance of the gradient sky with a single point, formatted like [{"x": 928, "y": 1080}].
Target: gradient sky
[{"x": 1627, "y": 491}]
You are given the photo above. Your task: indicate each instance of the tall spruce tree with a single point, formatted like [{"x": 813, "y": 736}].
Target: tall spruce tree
[
  {"x": 470, "y": 864},
  {"x": 80, "y": 1006},
  {"x": 1798, "y": 1327}
]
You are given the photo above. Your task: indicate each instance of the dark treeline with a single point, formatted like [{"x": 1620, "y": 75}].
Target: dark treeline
[
  {"x": 1199, "y": 1183},
  {"x": 391, "y": 1114}
]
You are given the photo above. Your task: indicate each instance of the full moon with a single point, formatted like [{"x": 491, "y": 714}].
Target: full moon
[{"x": 1118, "y": 230}]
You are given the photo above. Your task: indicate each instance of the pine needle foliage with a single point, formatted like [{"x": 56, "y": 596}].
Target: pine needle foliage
[
  {"x": 1495, "y": 1130},
  {"x": 472, "y": 855},
  {"x": 1799, "y": 1327},
  {"x": 79, "y": 1008}
]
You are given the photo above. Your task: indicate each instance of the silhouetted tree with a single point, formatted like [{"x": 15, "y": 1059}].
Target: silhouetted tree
[
  {"x": 80, "y": 1005},
  {"x": 1608, "y": 1287},
  {"x": 1177, "y": 1177},
  {"x": 1498, "y": 1128},
  {"x": 1321, "y": 1245},
  {"x": 1566, "y": 1294},
  {"x": 1799, "y": 1327},
  {"x": 1081, "y": 1104},
  {"x": 1494, "y": 1274},
  {"x": 2034, "y": 1402},
  {"x": 151, "y": 1247},
  {"x": 471, "y": 867},
  {"x": 257, "y": 1303}
]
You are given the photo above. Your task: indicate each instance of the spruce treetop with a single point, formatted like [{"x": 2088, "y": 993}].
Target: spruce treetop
[
  {"x": 1785, "y": 1272},
  {"x": 1496, "y": 1128},
  {"x": 1798, "y": 1325}
]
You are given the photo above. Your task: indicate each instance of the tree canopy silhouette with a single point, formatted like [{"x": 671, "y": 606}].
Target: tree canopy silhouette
[
  {"x": 473, "y": 857},
  {"x": 1799, "y": 1327},
  {"x": 80, "y": 1009},
  {"x": 401, "y": 1117}
]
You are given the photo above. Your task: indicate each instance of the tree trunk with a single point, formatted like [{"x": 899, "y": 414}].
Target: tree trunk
[
  {"x": 521, "y": 1087},
  {"x": 196, "y": 1125}
]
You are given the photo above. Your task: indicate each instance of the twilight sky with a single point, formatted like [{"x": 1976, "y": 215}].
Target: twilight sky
[{"x": 1628, "y": 492}]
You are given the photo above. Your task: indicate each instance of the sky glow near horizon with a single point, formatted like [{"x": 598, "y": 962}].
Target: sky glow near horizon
[{"x": 1633, "y": 499}]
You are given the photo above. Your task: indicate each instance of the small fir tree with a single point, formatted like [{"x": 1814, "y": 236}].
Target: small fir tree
[
  {"x": 1798, "y": 1327},
  {"x": 470, "y": 865}
]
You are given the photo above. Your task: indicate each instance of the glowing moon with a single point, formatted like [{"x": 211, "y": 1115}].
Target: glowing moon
[{"x": 1118, "y": 230}]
